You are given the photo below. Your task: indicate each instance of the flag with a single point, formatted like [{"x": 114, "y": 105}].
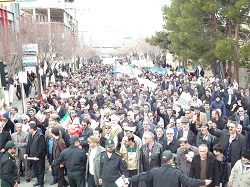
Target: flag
[
  {"x": 65, "y": 121},
  {"x": 2, "y": 103},
  {"x": 39, "y": 116}
]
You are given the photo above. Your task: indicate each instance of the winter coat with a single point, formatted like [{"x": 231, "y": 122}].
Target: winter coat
[
  {"x": 238, "y": 177},
  {"x": 212, "y": 171},
  {"x": 145, "y": 165}
]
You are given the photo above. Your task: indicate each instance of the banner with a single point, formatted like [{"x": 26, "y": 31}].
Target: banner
[
  {"x": 125, "y": 69},
  {"x": 160, "y": 71},
  {"x": 184, "y": 99},
  {"x": 147, "y": 83}
]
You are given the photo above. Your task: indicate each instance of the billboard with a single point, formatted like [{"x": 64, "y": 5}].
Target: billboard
[
  {"x": 29, "y": 60},
  {"x": 30, "y": 49}
]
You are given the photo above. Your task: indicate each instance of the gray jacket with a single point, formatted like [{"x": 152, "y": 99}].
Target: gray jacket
[
  {"x": 96, "y": 162},
  {"x": 181, "y": 161},
  {"x": 245, "y": 121},
  {"x": 23, "y": 141}
]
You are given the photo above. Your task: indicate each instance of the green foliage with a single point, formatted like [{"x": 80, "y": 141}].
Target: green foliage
[
  {"x": 225, "y": 49},
  {"x": 211, "y": 7},
  {"x": 160, "y": 39},
  {"x": 245, "y": 55},
  {"x": 204, "y": 31}
]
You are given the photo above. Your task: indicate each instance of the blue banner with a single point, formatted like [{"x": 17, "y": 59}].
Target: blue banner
[{"x": 160, "y": 71}]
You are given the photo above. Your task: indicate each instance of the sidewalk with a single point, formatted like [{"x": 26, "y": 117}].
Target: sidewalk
[
  {"x": 18, "y": 103},
  {"x": 47, "y": 177}
]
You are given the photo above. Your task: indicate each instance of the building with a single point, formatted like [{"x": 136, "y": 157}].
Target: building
[
  {"x": 53, "y": 16},
  {"x": 9, "y": 16}
]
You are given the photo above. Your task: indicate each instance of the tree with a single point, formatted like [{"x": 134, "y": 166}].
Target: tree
[
  {"x": 11, "y": 51},
  {"x": 206, "y": 31}
]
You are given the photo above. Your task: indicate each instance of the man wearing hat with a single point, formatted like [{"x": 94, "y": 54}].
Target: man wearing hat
[
  {"x": 121, "y": 113},
  {"x": 166, "y": 175},
  {"x": 185, "y": 153},
  {"x": 75, "y": 160},
  {"x": 112, "y": 165},
  {"x": 8, "y": 168},
  {"x": 241, "y": 171},
  {"x": 186, "y": 132},
  {"x": 137, "y": 115}
]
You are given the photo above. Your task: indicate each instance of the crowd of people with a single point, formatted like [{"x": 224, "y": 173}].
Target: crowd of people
[{"x": 96, "y": 126}]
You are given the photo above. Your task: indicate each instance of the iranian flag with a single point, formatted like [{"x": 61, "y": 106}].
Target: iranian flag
[
  {"x": 2, "y": 103},
  {"x": 65, "y": 121},
  {"x": 39, "y": 116}
]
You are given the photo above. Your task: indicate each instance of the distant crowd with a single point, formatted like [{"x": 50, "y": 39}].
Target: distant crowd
[{"x": 209, "y": 132}]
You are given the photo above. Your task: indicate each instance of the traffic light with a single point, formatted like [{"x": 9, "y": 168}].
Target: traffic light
[{"x": 4, "y": 73}]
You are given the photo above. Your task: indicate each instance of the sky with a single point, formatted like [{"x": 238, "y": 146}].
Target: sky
[{"x": 113, "y": 19}]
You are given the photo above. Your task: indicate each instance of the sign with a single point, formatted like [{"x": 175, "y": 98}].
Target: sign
[
  {"x": 7, "y": 1},
  {"x": 29, "y": 60},
  {"x": 184, "y": 99},
  {"x": 20, "y": 1},
  {"x": 22, "y": 75},
  {"x": 160, "y": 71},
  {"x": 30, "y": 49},
  {"x": 147, "y": 83}
]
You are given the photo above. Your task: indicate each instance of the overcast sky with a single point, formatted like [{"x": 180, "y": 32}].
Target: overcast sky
[
  {"x": 137, "y": 18},
  {"x": 114, "y": 19}
]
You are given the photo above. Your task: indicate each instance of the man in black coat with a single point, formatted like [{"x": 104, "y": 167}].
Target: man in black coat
[
  {"x": 8, "y": 168},
  {"x": 86, "y": 133},
  {"x": 172, "y": 143},
  {"x": 36, "y": 149},
  {"x": 4, "y": 138},
  {"x": 112, "y": 165},
  {"x": 161, "y": 111},
  {"x": 75, "y": 160},
  {"x": 205, "y": 166},
  {"x": 233, "y": 142},
  {"x": 166, "y": 175},
  {"x": 9, "y": 125}
]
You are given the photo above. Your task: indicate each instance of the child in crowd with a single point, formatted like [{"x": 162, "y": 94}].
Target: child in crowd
[{"x": 222, "y": 164}]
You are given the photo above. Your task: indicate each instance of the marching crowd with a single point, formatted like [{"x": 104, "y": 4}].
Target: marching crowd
[{"x": 97, "y": 127}]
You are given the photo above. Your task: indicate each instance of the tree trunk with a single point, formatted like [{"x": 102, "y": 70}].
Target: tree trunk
[
  {"x": 38, "y": 89},
  {"x": 184, "y": 60},
  {"x": 222, "y": 68},
  {"x": 214, "y": 68},
  {"x": 229, "y": 69},
  {"x": 236, "y": 71},
  {"x": 237, "y": 37}
]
